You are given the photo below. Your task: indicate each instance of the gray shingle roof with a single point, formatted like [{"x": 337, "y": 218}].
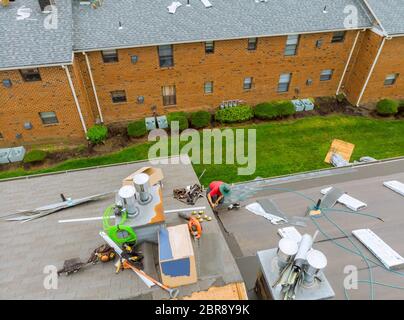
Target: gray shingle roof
[
  {"x": 147, "y": 22},
  {"x": 390, "y": 13},
  {"x": 27, "y": 42}
]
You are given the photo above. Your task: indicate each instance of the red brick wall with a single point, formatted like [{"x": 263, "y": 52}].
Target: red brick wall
[
  {"x": 391, "y": 61},
  {"x": 227, "y": 68},
  {"x": 24, "y": 100}
]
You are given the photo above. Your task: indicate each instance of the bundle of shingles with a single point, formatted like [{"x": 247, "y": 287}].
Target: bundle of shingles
[{"x": 189, "y": 194}]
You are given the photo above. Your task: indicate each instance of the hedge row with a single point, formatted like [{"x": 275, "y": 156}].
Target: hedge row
[
  {"x": 387, "y": 107},
  {"x": 274, "y": 109}
]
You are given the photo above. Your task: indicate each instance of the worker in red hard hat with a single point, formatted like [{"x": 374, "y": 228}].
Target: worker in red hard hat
[{"x": 216, "y": 192}]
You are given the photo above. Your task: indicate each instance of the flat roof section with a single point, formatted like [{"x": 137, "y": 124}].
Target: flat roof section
[
  {"x": 248, "y": 233},
  {"x": 27, "y": 248}
]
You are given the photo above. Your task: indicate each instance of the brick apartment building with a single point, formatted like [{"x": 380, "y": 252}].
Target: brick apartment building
[{"x": 65, "y": 70}]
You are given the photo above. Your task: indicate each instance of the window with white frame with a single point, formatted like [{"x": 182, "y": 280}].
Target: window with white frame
[
  {"x": 326, "y": 75},
  {"x": 284, "y": 82},
  {"x": 252, "y": 44},
  {"x": 109, "y": 56},
  {"x": 291, "y": 45},
  {"x": 169, "y": 95},
  {"x": 247, "y": 83},
  {"x": 390, "y": 79},
  {"x": 48, "y": 117},
  {"x": 208, "y": 87},
  {"x": 118, "y": 96}
]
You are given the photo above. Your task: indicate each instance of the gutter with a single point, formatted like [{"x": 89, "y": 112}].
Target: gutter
[
  {"x": 371, "y": 70},
  {"x": 349, "y": 60},
  {"x": 69, "y": 78},
  {"x": 93, "y": 85},
  {"x": 37, "y": 66}
]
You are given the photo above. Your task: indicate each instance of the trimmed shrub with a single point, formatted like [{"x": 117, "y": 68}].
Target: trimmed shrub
[
  {"x": 200, "y": 119},
  {"x": 274, "y": 109},
  {"x": 181, "y": 117},
  {"x": 97, "y": 134},
  {"x": 35, "y": 156},
  {"x": 137, "y": 129},
  {"x": 386, "y": 107},
  {"x": 234, "y": 114}
]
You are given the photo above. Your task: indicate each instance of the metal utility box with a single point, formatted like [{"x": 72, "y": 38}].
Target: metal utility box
[
  {"x": 162, "y": 122},
  {"x": 308, "y": 105},
  {"x": 299, "y": 106},
  {"x": 150, "y": 123},
  {"x": 16, "y": 154},
  {"x": 4, "y": 155}
]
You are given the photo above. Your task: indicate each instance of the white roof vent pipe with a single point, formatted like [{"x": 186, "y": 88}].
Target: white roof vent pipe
[
  {"x": 127, "y": 196},
  {"x": 141, "y": 182}
]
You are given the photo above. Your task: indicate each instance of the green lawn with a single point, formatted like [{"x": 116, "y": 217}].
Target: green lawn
[{"x": 282, "y": 147}]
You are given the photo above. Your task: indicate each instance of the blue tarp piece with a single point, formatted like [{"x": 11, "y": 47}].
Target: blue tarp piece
[
  {"x": 177, "y": 268},
  {"x": 164, "y": 244}
]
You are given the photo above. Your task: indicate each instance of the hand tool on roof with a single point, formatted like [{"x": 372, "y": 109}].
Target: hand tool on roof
[
  {"x": 189, "y": 194},
  {"x": 149, "y": 281},
  {"x": 194, "y": 225}
]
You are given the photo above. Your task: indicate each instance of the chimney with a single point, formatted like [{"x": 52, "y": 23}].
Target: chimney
[{"x": 44, "y": 4}]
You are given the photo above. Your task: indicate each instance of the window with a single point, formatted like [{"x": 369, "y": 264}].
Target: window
[
  {"x": 166, "y": 58},
  {"x": 30, "y": 75},
  {"x": 109, "y": 56},
  {"x": 169, "y": 96},
  {"x": 390, "y": 79},
  {"x": 208, "y": 87},
  {"x": 291, "y": 45},
  {"x": 48, "y": 117},
  {"x": 284, "y": 82},
  {"x": 309, "y": 82},
  {"x": 118, "y": 96},
  {"x": 1, "y": 136},
  {"x": 252, "y": 44},
  {"x": 326, "y": 75},
  {"x": 338, "y": 36},
  {"x": 209, "y": 47},
  {"x": 134, "y": 59},
  {"x": 247, "y": 84}
]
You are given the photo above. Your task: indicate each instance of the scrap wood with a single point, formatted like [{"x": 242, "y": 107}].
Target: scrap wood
[
  {"x": 343, "y": 148},
  {"x": 189, "y": 195},
  {"x": 28, "y": 215}
]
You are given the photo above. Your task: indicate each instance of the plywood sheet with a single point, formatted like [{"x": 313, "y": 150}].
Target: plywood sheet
[
  {"x": 343, "y": 148},
  {"x": 232, "y": 291}
]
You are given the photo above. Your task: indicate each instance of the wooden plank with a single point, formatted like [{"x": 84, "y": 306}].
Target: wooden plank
[
  {"x": 343, "y": 148},
  {"x": 232, "y": 291},
  {"x": 155, "y": 175}
]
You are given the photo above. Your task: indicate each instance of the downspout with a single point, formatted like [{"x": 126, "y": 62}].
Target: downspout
[
  {"x": 69, "y": 78},
  {"x": 348, "y": 62},
  {"x": 371, "y": 71},
  {"x": 93, "y": 85}
]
